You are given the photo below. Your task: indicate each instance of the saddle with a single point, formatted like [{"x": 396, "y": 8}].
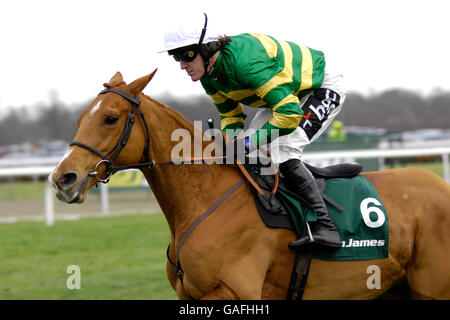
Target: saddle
[{"x": 271, "y": 208}]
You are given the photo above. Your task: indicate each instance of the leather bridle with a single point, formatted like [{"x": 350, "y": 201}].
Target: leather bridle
[
  {"x": 108, "y": 159},
  {"x": 149, "y": 164}
]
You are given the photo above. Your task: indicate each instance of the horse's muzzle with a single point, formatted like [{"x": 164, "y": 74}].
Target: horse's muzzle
[{"x": 68, "y": 188}]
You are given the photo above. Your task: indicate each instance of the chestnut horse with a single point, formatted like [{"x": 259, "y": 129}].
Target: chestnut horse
[{"x": 232, "y": 254}]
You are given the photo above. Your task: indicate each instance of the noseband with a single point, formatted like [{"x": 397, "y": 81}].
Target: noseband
[{"x": 109, "y": 158}]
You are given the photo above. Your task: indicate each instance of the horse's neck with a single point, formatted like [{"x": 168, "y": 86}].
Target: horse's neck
[{"x": 183, "y": 191}]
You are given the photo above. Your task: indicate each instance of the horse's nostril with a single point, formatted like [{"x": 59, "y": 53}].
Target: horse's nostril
[{"x": 67, "y": 180}]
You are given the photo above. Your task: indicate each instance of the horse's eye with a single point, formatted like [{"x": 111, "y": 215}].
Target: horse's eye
[{"x": 111, "y": 120}]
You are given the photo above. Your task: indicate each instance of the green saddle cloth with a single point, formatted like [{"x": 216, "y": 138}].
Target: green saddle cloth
[{"x": 362, "y": 225}]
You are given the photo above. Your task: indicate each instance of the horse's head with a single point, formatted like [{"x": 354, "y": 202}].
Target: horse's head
[{"x": 103, "y": 138}]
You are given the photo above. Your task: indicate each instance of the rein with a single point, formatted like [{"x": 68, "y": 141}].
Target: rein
[{"x": 150, "y": 164}]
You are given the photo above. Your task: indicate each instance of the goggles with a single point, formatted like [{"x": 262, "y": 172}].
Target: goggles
[{"x": 187, "y": 55}]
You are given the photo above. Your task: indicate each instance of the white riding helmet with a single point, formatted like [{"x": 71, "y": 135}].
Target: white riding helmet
[{"x": 193, "y": 31}]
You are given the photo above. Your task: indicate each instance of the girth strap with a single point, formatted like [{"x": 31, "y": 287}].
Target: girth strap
[
  {"x": 178, "y": 269},
  {"x": 300, "y": 273}
]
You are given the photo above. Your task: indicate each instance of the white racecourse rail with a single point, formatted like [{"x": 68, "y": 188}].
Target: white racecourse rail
[{"x": 41, "y": 167}]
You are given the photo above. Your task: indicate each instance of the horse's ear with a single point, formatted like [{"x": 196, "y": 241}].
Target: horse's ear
[
  {"x": 116, "y": 80},
  {"x": 138, "y": 85}
]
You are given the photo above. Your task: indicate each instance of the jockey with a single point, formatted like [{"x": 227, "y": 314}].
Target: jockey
[{"x": 296, "y": 95}]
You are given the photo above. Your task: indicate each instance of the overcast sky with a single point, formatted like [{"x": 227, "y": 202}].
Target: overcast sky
[{"x": 73, "y": 47}]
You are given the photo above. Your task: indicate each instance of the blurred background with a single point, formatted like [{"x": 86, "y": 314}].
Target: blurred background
[{"x": 55, "y": 57}]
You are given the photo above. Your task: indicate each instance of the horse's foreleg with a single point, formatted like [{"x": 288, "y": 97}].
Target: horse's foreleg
[{"x": 221, "y": 292}]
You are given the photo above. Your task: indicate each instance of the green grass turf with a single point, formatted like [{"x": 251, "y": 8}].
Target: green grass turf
[{"x": 121, "y": 257}]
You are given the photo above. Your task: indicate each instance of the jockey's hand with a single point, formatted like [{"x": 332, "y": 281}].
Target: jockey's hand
[
  {"x": 239, "y": 149},
  {"x": 249, "y": 145}
]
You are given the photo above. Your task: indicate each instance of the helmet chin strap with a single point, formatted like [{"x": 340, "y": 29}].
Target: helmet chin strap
[
  {"x": 205, "y": 62},
  {"x": 207, "y": 50}
]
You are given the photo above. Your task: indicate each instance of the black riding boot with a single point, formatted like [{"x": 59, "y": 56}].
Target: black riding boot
[{"x": 302, "y": 182}]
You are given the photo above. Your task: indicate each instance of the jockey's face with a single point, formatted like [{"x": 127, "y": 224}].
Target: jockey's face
[{"x": 195, "y": 69}]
